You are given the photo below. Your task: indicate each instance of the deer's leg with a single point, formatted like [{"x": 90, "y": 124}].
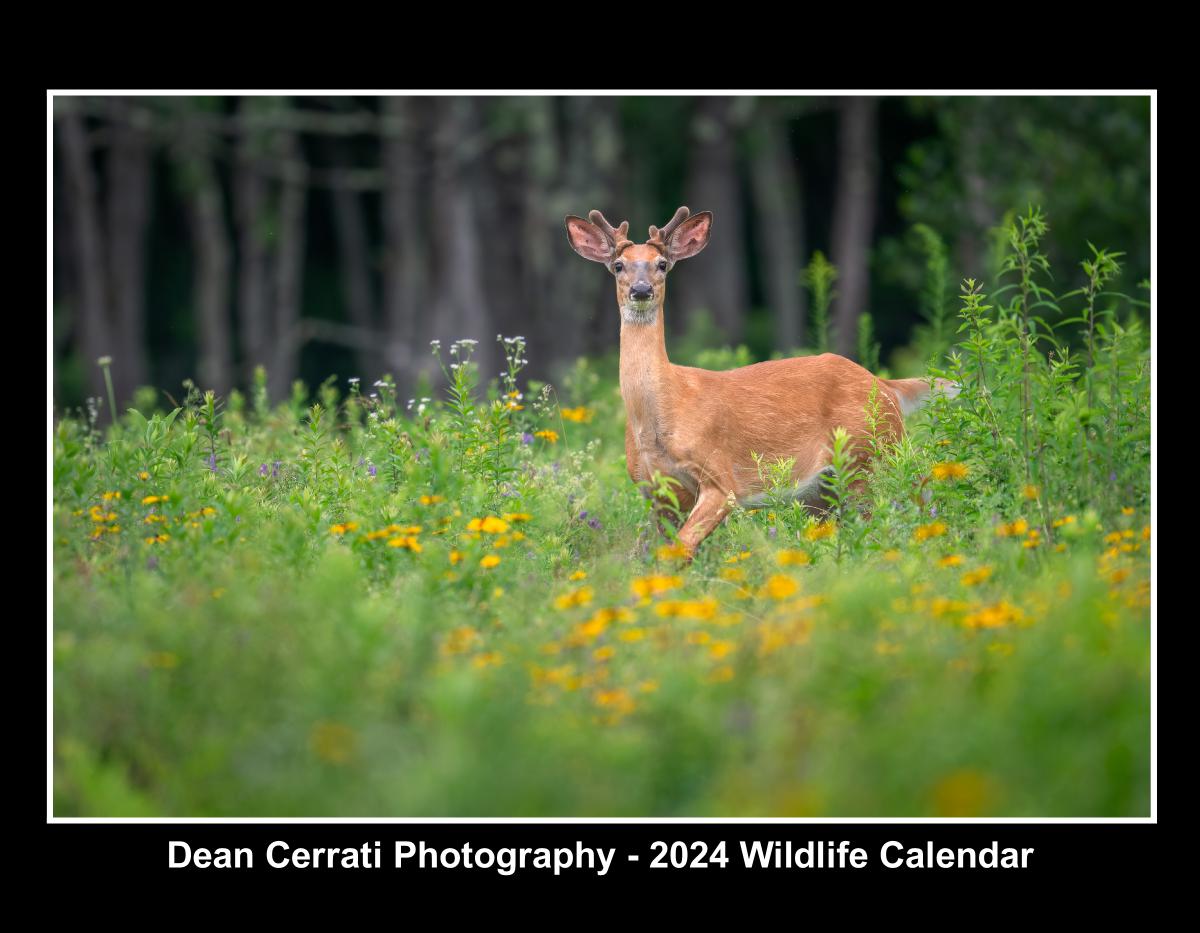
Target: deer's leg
[{"x": 712, "y": 505}]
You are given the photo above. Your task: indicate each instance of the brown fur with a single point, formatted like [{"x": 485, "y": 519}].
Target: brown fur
[{"x": 702, "y": 427}]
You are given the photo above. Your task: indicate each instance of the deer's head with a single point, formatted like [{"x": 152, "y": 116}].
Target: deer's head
[{"x": 639, "y": 269}]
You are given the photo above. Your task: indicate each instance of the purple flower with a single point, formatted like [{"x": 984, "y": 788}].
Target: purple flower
[
  {"x": 275, "y": 469},
  {"x": 933, "y": 511},
  {"x": 771, "y": 531},
  {"x": 594, "y": 523},
  {"x": 371, "y": 470},
  {"x": 583, "y": 515},
  {"x": 262, "y": 470},
  {"x": 212, "y": 461},
  {"x": 526, "y": 438}
]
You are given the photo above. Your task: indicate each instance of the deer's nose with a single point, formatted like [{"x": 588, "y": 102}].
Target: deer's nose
[{"x": 640, "y": 291}]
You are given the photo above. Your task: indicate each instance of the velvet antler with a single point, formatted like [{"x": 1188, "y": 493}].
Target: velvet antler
[
  {"x": 659, "y": 237},
  {"x": 616, "y": 234}
]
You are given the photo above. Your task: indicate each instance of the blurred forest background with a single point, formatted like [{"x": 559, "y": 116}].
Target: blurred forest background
[{"x": 199, "y": 237}]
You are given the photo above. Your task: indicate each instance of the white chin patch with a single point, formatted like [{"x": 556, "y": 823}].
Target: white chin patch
[{"x": 639, "y": 312}]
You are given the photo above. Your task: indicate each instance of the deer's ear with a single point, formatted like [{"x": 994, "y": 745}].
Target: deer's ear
[
  {"x": 588, "y": 240},
  {"x": 690, "y": 237}
]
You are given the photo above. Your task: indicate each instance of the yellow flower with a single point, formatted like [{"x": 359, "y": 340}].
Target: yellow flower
[
  {"x": 951, "y": 560},
  {"x": 143, "y": 476},
  {"x": 460, "y": 640},
  {"x": 741, "y": 555},
  {"x": 820, "y": 530},
  {"x": 975, "y": 577},
  {"x": 1012, "y": 529},
  {"x": 996, "y": 616},
  {"x": 891, "y": 555},
  {"x": 781, "y": 587},
  {"x": 578, "y": 575},
  {"x": 517, "y": 517},
  {"x": 491, "y": 524},
  {"x": 632, "y": 634},
  {"x": 488, "y": 659},
  {"x": 704, "y": 608},
  {"x": 932, "y": 530},
  {"x": 578, "y": 415},
  {"x": 733, "y": 574},
  {"x": 431, "y": 500},
  {"x": 490, "y": 561},
  {"x": 1031, "y": 491},
  {"x": 949, "y": 470},
  {"x": 1127, "y": 510},
  {"x": 152, "y": 500},
  {"x": 792, "y": 558},
  {"x": 605, "y": 653},
  {"x": 672, "y": 552},
  {"x": 551, "y": 436},
  {"x": 117, "y": 495},
  {"x": 1065, "y": 520},
  {"x": 341, "y": 529},
  {"x": 654, "y": 585},
  {"x": 579, "y": 597},
  {"x": 718, "y": 649}
]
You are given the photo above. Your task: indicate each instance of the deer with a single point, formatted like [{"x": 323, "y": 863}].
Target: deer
[{"x": 702, "y": 428}]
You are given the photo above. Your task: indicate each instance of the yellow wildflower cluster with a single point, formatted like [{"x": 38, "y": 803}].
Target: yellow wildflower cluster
[
  {"x": 580, "y": 415},
  {"x": 699, "y": 609},
  {"x": 820, "y": 530},
  {"x": 578, "y": 597},
  {"x": 944, "y": 471},
  {"x": 931, "y": 530},
  {"x": 792, "y": 558},
  {"x": 489, "y": 525},
  {"x": 995, "y": 616},
  {"x": 547, "y": 435},
  {"x": 654, "y": 585}
]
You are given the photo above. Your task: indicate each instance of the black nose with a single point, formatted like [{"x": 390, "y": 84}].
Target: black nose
[{"x": 641, "y": 292}]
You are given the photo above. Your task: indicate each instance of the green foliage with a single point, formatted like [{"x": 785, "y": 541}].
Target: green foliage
[
  {"x": 356, "y": 605},
  {"x": 818, "y": 277}
]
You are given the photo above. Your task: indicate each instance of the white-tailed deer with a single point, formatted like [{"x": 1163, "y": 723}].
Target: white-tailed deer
[{"x": 703, "y": 428}]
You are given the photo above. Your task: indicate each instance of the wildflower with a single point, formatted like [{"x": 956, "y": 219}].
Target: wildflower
[
  {"x": 1127, "y": 510},
  {"x": 1034, "y": 539},
  {"x": 996, "y": 616},
  {"x": 153, "y": 500},
  {"x": 1065, "y": 520},
  {"x": 579, "y": 597},
  {"x": 891, "y": 555},
  {"x": 977, "y": 576},
  {"x": 456, "y": 557},
  {"x": 341, "y": 529},
  {"x": 526, "y": 438},
  {"x": 733, "y": 574},
  {"x": 489, "y": 561},
  {"x": 547, "y": 435},
  {"x": 605, "y": 653},
  {"x": 932, "y": 530},
  {"x": 143, "y": 476},
  {"x": 820, "y": 530},
  {"x": 431, "y": 500},
  {"x": 408, "y": 542},
  {"x": 109, "y": 496},
  {"x": 578, "y": 575},
  {"x": 780, "y": 587},
  {"x": 654, "y": 585},
  {"x": 951, "y": 560},
  {"x": 741, "y": 555},
  {"x": 632, "y": 634},
  {"x": 949, "y": 470},
  {"x": 579, "y": 415},
  {"x": 158, "y": 539},
  {"x": 517, "y": 517},
  {"x": 700, "y": 609},
  {"x": 1031, "y": 492},
  {"x": 488, "y": 659},
  {"x": 792, "y": 558},
  {"x": 672, "y": 552},
  {"x": 490, "y": 524},
  {"x": 1012, "y": 529}
]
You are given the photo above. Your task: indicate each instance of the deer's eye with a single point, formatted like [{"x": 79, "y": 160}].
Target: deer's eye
[
  {"x": 618, "y": 266},
  {"x": 662, "y": 265}
]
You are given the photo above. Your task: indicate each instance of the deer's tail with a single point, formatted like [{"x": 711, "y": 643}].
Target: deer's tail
[{"x": 913, "y": 393}]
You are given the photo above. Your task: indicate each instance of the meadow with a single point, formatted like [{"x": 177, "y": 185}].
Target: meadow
[{"x": 458, "y": 604}]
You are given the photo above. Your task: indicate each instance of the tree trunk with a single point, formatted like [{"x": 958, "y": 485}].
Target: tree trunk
[
  {"x": 717, "y": 282},
  {"x": 93, "y": 335},
  {"x": 128, "y": 215},
  {"x": 210, "y": 243},
  {"x": 776, "y": 188},
  {"x": 289, "y": 266},
  {"x": 355, "y": 267},
  {"x": 250, "y": 200},
  {"x": 459, "y": 306},
  {"x": 854, "y": 216},
  {"x": 403, "y": 230}
]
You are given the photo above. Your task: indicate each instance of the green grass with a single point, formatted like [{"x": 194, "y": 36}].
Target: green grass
[{"x": 268, "y": 657}]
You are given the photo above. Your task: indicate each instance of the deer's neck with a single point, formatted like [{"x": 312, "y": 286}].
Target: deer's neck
[{"x": 646, "y": 374}]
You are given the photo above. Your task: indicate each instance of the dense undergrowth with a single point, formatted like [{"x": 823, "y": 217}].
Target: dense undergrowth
[{"x": 358, "y": 604}]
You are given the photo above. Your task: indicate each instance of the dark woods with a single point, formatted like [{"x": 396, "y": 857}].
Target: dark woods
[{"x": 202, "y": 238}]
